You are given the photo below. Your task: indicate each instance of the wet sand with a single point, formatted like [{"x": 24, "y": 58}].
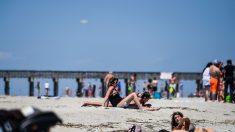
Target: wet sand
[{"x": 216, "y": 115}]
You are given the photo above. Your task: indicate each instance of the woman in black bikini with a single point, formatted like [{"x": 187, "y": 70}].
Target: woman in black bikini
[
  {"x": 132, "y": 100},
  {"x": 115, "y": 99}
]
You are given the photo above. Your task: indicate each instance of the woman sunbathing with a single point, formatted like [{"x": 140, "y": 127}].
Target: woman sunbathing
[
  {"x": 113, "y": 99},
  {"x": 184, "y": 126},
  {"x": 176, "y": 117}
]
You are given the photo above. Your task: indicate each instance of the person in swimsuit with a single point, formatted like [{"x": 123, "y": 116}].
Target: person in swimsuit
[
  {"x": 214, "y": 79},
  {"x": 184, "y": 126},
  {"x": 113, "y": 99},
  {"x": 176, "y": 117},
  {"x": 143, "y": 98}
]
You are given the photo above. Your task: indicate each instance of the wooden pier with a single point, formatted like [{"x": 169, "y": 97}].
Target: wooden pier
[{"x": 78, "y": 76}]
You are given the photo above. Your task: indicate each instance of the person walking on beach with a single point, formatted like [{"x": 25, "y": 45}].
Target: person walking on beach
[
  {"x": 38, "y": 88},
  {"x": 229, "y": 78},
  {"x": 46, "y": 85},
  {"x": 206, "y": 80}
]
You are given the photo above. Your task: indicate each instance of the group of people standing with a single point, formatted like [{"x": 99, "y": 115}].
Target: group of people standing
[{"x": 217, "y": 79}]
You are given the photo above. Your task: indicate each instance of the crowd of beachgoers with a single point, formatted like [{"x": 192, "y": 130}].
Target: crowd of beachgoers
[
  {"x": 218, "y": 81},
  {"x": 217, "y": 86}
]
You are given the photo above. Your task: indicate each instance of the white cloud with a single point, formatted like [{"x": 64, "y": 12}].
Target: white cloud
[
  {"x": 84, "y": 21},
  {"x": 5, "y": 55}
]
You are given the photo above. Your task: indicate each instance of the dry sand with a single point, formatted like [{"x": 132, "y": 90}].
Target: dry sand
[{"x": 219, "y": 116}]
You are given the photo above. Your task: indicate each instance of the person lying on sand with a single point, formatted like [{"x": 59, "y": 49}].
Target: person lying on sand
[
  {"x": 142, "y": 99},
  {"x": 113, "y": 99},
  {"x": 184, "y": 126},
  {"x": 176, "y": 117}
]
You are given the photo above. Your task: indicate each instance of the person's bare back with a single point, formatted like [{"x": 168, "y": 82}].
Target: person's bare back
[{"x": 214, "y": 71}]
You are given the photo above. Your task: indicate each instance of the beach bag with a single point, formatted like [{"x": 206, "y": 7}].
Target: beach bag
[
  {"x": 10, "y": 120},
  {"x": 27, "y": 120},
  {"x": 227, "y": 99},
  {"x": 42, "y": 120}
]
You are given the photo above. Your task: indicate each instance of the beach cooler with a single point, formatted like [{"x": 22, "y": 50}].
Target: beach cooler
[{"x": 157, "y": 95}]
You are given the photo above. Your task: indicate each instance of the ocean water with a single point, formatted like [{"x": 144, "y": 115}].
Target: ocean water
[{"x": 20, "y": 87}]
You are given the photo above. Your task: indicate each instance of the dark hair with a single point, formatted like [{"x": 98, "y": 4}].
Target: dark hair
[
  {"x": 229, "y": 61},
  {"x": 113, "y": 81},
  {"x": 150, "y": 80},
  {"x": 208, "y": 65},
  {"x": 173, "y": 122},
  {"x": 163, "y": 130},
  {"x": 185, "y": 122},
  {"x": 134, "y": 74},
  {"x": 146, "y": 95}
]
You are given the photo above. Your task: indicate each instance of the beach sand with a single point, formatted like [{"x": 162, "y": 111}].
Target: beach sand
[{"x": 219, "y": 116}]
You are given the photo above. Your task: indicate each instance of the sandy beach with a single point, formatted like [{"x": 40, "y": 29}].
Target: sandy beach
[{"x": 219, "y": 116}]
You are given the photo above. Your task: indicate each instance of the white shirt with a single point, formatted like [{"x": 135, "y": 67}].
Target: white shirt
[
  {"x": 46, "y": 85},
  {"x": 206, "y": 77}
]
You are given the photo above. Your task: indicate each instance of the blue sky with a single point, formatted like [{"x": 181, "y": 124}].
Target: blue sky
[{"x": 117, "y": 35}]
